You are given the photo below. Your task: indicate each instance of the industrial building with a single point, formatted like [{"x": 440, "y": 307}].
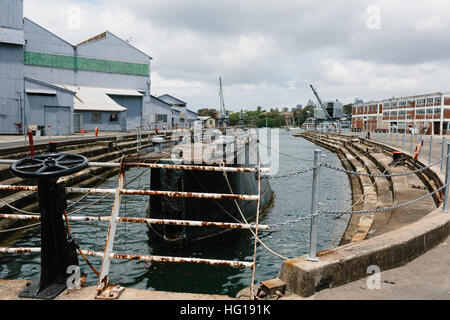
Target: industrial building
[
  {"x": 52, "y": 86},
  {"x": 181, "y": 116},
  {"x": 422, "y": 114}
]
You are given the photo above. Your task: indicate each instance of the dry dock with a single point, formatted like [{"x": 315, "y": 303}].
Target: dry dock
[{"x": 388, "y": 239}]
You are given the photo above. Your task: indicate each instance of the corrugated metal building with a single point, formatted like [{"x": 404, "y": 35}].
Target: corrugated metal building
[
  {"x": 43, "y": 74},
  {"x": 11, "y": 66},
  {"x": 181, "y": 116},
  {"x": 162, "y": 114}
]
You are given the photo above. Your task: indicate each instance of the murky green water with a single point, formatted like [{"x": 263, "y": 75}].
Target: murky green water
[{"x": 292, "y": 200}]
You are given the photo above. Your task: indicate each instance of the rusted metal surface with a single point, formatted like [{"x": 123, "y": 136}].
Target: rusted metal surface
[
  {"x": 186, "y": 223},
  {"x": 134, "y": 163},
  {"x": 19, "y": 250},
  {"x": 172, "y": 194},
  {"x": 193, "y": 167},
  {"x": 19, "y": 188},
  {"x": 143, "y": 257},
  {"x": 179, "y": 194},
  {"x": 103, "y": 279},
  {"x": 111, "y": 292},
  {"x": 90, "y": 190},
  {"x": 19, "y": 217}
]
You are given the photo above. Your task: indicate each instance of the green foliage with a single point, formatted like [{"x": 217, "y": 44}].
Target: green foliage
[
  {"x": 208, "y": 112},
  {"x": 348, "y": 109}
]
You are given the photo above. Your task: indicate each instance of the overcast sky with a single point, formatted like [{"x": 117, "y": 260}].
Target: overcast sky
[{"x": 268, "y": 52}]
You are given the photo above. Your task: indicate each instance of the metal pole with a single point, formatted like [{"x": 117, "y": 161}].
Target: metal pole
[
  {"x": 447, "y": 178},
  {"x": 412, "y": 138},
  {"x": 443, "y": 153},
  {"x": 431, "y": 148},
  {"x": 390, "y": 141},
  {"x": 314, "y": 206},
  {"x": 421, "y": 145},
  {"x": 404, "y": 138},
  {"x": 397, "y": 139}
]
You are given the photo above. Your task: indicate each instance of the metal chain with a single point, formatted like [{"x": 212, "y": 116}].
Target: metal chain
[
  {"x": 287, "y": 223},
  {"x": 329, "y": 166},
  {"x": 303, "y": 218},
  {"x": 401, "y": 205},
  {"x": 294, "y": 173}
]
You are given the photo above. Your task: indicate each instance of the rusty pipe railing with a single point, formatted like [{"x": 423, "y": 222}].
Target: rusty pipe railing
[
  {"x": 171, "y": 194},
  {"x": 141, "y": 257},
  {"x": 165, "y": 166},
  {"x": 185, "y": 223}
]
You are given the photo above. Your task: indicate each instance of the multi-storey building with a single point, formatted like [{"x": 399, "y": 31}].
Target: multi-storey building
[{"x": 424, "y": 114}]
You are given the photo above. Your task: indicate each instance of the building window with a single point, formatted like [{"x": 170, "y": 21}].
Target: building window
[
  {"x": 429, "y": 111},
  {"x": 420, "y": 111},
  {"x": 421, "y": 101},
  {"x": 438, "y": 100},
  {"x": 113, "y": 117},
  {"x": 430, "y": 101},
  {"x": 96, "y": 117},
  {"x": 394, "y": 104},
  {"x": 437, "y": 110},
  {"x": 161, "y": 118}
]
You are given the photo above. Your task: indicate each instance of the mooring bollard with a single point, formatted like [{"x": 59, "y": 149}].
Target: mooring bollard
[
  {"x": 443, "y": 153},
  {"x": 314, "y": 206},
  {"x": 447, "y": 178},
  {"x": 157, "y": 142}
]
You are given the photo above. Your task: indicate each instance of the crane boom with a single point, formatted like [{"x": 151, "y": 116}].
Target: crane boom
[{"x": 322, "y": 105}]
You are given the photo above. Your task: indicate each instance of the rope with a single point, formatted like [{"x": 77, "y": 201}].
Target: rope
[{"x": 245, "y": 220}]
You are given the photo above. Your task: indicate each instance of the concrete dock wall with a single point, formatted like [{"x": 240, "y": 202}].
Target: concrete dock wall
[{"x": 350, "y": 262}]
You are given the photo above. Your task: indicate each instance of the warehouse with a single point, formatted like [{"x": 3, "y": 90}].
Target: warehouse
[
  {"x": 103, "y": 82},
  {"x": 423, "y": 114},
  {"x": 162, "y": 114},
  {"x": 181, "y": 116}
]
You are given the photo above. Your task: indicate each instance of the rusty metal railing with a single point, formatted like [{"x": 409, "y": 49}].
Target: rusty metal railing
[{"x": 104, "y": 288}]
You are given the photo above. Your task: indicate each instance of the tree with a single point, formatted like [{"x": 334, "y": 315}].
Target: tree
[
  {"x": 208, "y": 112},
  {"x": 348, "y": 109}
]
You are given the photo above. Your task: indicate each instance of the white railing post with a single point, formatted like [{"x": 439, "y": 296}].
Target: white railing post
[
  {"x": 314, "y": 206},
  {"x": 443, "y": 153}
]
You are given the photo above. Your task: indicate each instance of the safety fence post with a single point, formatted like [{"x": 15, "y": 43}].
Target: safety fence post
[
  {"x": 421, "y": 146},
  {"x": 443, "y": 153},
  {"x": 431, "y": 149},
  {"x": 314, "y": 206},
  {"x": 447, "y": 178},
  {"x": 404, "y": 137}
]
